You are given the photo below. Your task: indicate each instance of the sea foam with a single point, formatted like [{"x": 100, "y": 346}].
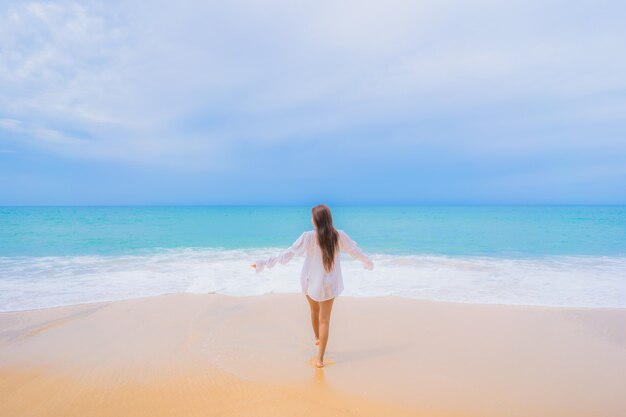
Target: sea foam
[{"x": 573, "y": 281}]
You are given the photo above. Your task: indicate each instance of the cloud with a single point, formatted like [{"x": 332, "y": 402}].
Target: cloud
[{"x": 191, "y": 83}]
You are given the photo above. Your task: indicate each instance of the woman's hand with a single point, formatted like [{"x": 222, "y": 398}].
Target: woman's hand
[{"x": 253, "y": 265}]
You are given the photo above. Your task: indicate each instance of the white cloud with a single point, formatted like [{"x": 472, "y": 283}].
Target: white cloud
[{"x": 180, "y": 83}]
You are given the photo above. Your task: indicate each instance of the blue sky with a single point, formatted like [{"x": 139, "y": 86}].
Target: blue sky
[{"x": 286, "y": 102}]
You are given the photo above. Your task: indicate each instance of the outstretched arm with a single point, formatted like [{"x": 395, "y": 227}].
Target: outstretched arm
[
  {"x": 350, "y": 246},
  {"x": 297, "y": 248}
]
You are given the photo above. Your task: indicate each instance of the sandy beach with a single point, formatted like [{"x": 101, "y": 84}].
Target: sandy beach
[{"x": 216, "y": 355}]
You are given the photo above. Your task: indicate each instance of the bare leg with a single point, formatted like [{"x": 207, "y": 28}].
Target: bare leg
[
  {"x": 315, "y": 317},
  {"x": 325, "y": 309}
]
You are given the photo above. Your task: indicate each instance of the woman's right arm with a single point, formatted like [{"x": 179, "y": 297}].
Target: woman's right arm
[{"x": 350, "y": 246}]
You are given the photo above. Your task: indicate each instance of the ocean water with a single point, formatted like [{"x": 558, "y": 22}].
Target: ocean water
[{"x": 532, "y": 255}]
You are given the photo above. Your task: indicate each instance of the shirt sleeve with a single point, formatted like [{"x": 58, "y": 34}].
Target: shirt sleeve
[
  {"x": 350, "y": 246},
  {"x": 297, "y": 248}
]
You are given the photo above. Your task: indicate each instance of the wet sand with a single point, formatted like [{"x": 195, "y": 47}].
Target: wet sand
[{"x": 215, "y": 355}]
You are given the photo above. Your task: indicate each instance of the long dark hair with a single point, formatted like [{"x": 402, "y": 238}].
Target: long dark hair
[{"x": 327, "y": 235}]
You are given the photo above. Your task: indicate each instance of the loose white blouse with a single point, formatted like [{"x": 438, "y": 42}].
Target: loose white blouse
[{"x": 315, "y": 281}]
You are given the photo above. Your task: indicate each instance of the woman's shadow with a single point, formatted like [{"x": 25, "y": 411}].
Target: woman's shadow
[
  {"x": 337, "y": 358},
  {"x": 366, "y": 354}
]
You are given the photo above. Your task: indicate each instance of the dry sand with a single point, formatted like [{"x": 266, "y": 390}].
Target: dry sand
[{"x": 215, "y": 355}]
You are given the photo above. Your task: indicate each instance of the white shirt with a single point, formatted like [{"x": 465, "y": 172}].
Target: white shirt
[{"x": 315, "y": 281}]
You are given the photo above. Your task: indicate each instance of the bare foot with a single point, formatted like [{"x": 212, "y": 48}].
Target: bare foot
[
  {"x": 319, "y": 364},
  {"x": 317, "y": 342}
]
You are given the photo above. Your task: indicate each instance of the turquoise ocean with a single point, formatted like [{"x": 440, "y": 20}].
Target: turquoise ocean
[{"x": 531, "y": 255}]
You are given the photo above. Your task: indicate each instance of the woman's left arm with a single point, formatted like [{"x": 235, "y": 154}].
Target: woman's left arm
[{"x": 297, "y": 248}]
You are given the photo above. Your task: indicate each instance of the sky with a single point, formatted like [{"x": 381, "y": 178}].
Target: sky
[{"x": 288, "y": 102}]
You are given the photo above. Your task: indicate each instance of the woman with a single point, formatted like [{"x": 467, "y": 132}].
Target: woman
[{"x": 321, "y": 278}]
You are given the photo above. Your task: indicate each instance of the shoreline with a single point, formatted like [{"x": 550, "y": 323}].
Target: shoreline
[
  {"x": 387, "y": 353},
  {"x": 365, "y": 297},
  {"x": 34, "y": 282}
]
